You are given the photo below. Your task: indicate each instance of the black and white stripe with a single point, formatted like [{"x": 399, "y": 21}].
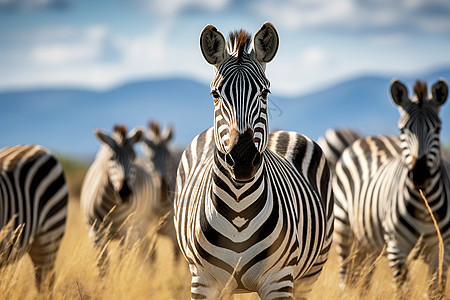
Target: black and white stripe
[
  {"x": 252, "y": 210},
  {"x": 33, "y": 207},
  {"x": 378, "y": 203},
  {"x": 161, "y": 161},
  {"x": 334, "y": 142},
  {"x": 117, "y": 192}
]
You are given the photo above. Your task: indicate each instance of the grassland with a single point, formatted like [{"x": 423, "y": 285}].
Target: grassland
[{"x": 132, "y": 276}]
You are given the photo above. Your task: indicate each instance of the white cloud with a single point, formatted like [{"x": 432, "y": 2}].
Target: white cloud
[
  {"x": 81, "y": 57},
  {"x": 70, "y": 46},
  {"x": 63, "y": 54},
  {"x": 410, "y": 15},
  {"x": 32, "y": 4},
  {"x": 173, "y": 7},
  {"x": 314, "y": 57}
]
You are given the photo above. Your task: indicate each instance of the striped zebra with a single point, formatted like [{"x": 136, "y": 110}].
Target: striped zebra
[
  {"x": 117, "y": 191},
  {"x": 334, "y": 142},
  {"x": 378, "y": 203},
  {"x": 33, "y": 208},
  {"x": 162, "y": 160},
  {"x": 253, "y": 210}
]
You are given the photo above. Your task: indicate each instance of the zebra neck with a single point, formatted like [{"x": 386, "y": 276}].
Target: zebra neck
[
  {"x": 236, "y": 201},
  {"x": 433, "y": 192}
]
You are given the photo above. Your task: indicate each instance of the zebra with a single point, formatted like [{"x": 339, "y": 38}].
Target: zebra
[
  {"x": 378, "y": 202},
  {"x": 33, "y": 208},
  {"x": 162, "y": 160},
  {"x": 117, "y": 192},
  {"x": 253, "y": 210},
  {"x": 334, "y": 141}
]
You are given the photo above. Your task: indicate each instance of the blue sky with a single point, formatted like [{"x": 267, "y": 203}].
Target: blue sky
[{"x": 100, "y": 44}]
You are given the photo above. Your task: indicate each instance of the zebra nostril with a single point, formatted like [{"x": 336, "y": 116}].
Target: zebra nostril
[
  {"x": 256, "y": 160},
  {"x": 125, "y": 191},
  {"x": 229, "y": 160}
]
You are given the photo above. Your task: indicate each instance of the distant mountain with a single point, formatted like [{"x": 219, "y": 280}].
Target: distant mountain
[
  {"x": 63, "y": 119},
  {"x": 362, "y": 103}
]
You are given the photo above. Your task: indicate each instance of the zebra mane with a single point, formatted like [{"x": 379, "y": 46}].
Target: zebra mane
[
  {"x": 120, "y": 134},
  {"x": 420, "y": 90},
  {"x": 239, "y": 41}
]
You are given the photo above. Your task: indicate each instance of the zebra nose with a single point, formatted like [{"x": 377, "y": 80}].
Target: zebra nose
[
  {"x": 420, "y": 173},
  {"x": 125, "y": 191},
  {"x": 243, "y": 159}
]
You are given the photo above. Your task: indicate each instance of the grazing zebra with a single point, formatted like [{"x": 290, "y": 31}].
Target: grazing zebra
[
  {"x": 334, "y": 141},
  {"x": 253, "y": 211},
  {"x": 162, "y": 161},
  {"x": 33, "y": 207},
  {"x": 378, "y": 203},
  {"x": 117, "y": 192}
]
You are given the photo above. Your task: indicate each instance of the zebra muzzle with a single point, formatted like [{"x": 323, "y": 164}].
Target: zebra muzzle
[
  {"x": 125, "y": 192},
  {"x": 244, "y": 159},
  {"x": 420, "y": 173}
]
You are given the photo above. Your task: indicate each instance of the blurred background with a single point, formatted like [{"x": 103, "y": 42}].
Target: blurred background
[{"x": 67, "y": 67}]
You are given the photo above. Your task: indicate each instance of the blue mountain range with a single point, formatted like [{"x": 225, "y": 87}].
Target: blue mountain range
[{"x": 63, "y": 119}]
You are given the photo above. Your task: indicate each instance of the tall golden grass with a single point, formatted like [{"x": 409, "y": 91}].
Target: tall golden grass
[{"x": 131, "y": 276}]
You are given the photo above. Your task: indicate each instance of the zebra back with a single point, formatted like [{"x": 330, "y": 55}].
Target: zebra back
[
  {"x": 334, "y": 142},
  {"x": 33, "y": 195}
]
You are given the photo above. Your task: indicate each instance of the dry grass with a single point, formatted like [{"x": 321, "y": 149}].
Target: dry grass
[{"x": 130, "y": 277}]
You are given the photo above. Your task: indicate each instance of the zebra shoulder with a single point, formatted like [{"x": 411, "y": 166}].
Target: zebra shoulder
[
  {"x": 296, "y": 148},
  {"x": 305, "y": 155}
]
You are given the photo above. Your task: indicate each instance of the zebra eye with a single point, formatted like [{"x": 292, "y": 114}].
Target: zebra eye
[
  {"x": 265, "y": 93},
  {"x": 215, "y": 95}
]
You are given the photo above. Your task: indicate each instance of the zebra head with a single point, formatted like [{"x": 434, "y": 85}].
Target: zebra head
[
  {"x": 240, "y": 89},
  {"x": 156, "y": 148},
  {"x": 121, "y": 158},
  {"x": 419, "y": 125}
]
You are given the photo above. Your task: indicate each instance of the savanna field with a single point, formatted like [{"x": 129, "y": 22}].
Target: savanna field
[{"x": 133, "y": 275}]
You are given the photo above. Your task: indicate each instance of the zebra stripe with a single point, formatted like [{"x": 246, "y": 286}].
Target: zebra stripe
[
  {"x": 117, "y": 192},
  {"x": 378, "y": 203},
  {"x": 253, "y": 212},
  {"x": 161, "y": 160},
  {"x": 33, "y": 207},
  {"x": 334, "y": 141}
]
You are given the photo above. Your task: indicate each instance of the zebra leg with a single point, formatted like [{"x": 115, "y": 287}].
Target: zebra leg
[
  {"x": 100, "y": 238},
  {"x": 436, "y": 286},
  {"x": 43, "y": 253},
  {"x": 343, "y": 238},
  {"x": 204, "y": 286},
  {"x": 281, "y": 286},
  {"x": 397, "y": 263},
  {"x": 364, "y": 263}
]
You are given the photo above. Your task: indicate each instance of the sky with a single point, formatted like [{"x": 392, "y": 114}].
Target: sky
[{"x": 105, "y": 43}]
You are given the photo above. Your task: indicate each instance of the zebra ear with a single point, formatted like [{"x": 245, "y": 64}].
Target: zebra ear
[
  {"x": 154, "y": 132},
  {"x": 136, "y": 135},
  {"x": 104, "y": 138},
  {"x": 167, "y": 134},
  {"x": 213, "y": 45},
  {"x": 265, "y": 43},
  {"x": 439, "y": 92},
  {"x": 399, "y": 93}
]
